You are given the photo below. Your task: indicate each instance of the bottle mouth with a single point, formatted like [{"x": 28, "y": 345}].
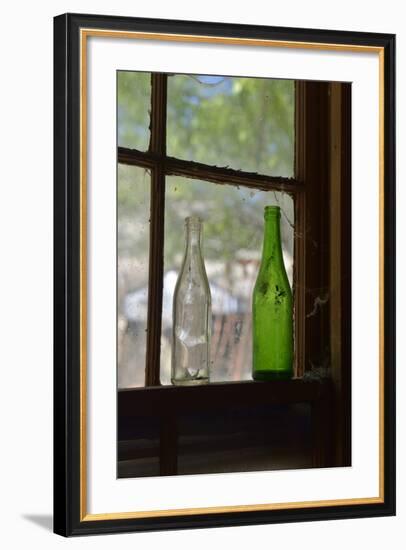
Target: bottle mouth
[
  {"x": 271, "y": 211},
  {"x": 193, "y": 221}
]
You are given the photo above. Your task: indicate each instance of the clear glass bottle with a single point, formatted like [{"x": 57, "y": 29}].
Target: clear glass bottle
[
  {"x": 272, "y": 316},
  {"x": 191, "y": 313}
]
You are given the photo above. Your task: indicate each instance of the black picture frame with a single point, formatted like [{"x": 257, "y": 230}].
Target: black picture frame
[{"x": 68, "y": 441}]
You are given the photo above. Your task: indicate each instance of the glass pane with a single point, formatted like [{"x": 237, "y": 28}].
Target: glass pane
[
  {"x": 133, "y": 109},
  {"x": 133, "y": 203},
  {"x": 232, "y": 245},
  {"x": 243, "y": 123}
]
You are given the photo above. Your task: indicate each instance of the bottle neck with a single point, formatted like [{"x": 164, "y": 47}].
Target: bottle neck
[
  {"x": 193, "y": 239},
  {"x": 272, "y": 247}
]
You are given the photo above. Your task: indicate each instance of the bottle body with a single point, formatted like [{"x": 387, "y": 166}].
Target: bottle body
[
  {"x": 272, "y": 307},
  {"x": 191, "y": 314}
]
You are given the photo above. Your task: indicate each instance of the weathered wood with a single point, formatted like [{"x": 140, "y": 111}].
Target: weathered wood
[
  {"x": 340, "y": 264},
  {"x": 168, "y": 447},
  {"x": 214, "y": 174},
  {"x": 156, "y": 249},
  {"x": 154, "y": 402},
  {"x": 314, "y": 170},
  {"x": 299, "y": 252},
  {"x": 165, "y": 406},
  {"x": 322, "y": 432}
]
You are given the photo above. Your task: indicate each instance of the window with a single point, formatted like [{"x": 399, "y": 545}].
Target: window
[{"x": 223, "y": 148}]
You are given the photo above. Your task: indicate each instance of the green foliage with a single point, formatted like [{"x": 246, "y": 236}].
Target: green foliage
[
  {"x": 244, "y": 123},
  {"x": 133, "y": 109},
  {"x": 233, "y": 218}
]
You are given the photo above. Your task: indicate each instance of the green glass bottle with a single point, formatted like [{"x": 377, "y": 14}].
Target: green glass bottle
[{"x": 272, "y": 308}]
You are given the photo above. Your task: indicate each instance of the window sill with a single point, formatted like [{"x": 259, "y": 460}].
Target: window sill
[{"x": 154, "y": 401}]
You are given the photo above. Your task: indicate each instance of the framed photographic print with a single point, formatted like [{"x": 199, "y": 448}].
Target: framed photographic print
[{"x": 224, "y": 274}]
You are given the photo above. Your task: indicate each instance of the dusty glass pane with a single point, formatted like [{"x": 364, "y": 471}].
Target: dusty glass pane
[
  {"x": 243, "y": 123},
  {"x": 133, "y": 109},
  {"x": 232, "y": 245},
  {"x": 133, "y": 202}
]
